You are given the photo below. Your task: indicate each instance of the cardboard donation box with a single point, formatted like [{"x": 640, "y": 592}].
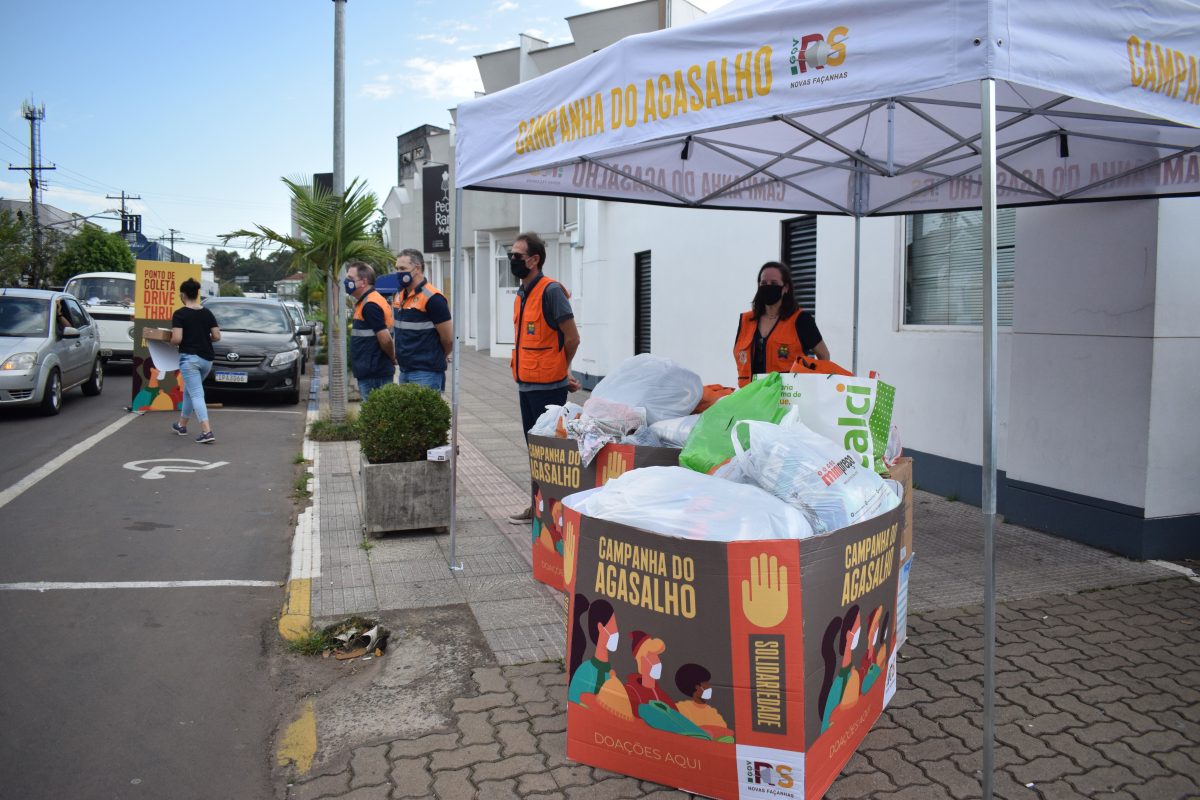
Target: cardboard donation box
[
  {"x": 747, "y": 669},
  {"x": 558, "y": 471}
]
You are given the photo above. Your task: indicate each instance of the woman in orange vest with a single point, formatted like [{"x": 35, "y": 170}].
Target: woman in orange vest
[{"x": 775, "y": 330}]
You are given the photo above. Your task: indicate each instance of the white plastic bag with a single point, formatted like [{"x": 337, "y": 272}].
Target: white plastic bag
[
  {"x": 675, "y": 432},
  {"x": 810, "y": 472},
  {"x": 555, "y": 418},
  {"x": 601, "y": 422},
  {"x": 643, "y": 437},
  {"x": 676, "y": 501},
  {"x": 855, "y": 413},
  {"x": 665, "y": 389}
]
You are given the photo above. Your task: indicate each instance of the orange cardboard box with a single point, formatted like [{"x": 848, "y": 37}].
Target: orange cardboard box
[
  {"x": 749, "y": 669},
  {"x": 557, "y": 471}
]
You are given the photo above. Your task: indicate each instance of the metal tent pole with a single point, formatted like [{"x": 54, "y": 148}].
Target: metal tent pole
[
  {"x": 859, "y": 205},
  {"x": 455, "y": 299},
  {"x": 987, "y": 119}
]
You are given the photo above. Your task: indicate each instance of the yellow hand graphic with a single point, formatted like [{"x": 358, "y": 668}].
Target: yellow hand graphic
[
  {"x": 570, "y": 549},
  {"x": 764, "y": 596},
  {"x": 614, "y": 469}
]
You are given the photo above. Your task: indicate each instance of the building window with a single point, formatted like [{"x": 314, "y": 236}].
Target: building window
[
  {"x": 799, "y": 248},
  {"x": 641, "y": 302},
  {"x": 943, "y": 269},
  {"x": 570, "y": 212}
]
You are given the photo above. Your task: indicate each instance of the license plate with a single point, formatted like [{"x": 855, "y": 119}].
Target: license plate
[
  {"x": 232, "y": 377},
  {"x": 106, "y": 353}
]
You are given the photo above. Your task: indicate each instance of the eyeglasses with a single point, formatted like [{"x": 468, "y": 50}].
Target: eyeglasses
[{"x": 517, "y": 256}]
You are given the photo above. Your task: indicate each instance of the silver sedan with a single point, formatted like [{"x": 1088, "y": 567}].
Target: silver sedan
[{"x": 48, "y": 344}]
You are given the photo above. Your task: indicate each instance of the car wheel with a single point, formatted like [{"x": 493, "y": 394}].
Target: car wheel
[
  {"x": 304, "y": 365},
  {"x": 52, "y": 396},
  {"x": 95, "y": 384},
  {"x": 292, "y": 398}
]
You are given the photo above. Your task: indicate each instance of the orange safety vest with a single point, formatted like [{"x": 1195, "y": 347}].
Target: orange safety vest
[
  {"x": 366, "y": 356},
  {"x": 376, "y": 298},
  {"x": 538, "y": 355},
  {"x": 783, "y": 345}
]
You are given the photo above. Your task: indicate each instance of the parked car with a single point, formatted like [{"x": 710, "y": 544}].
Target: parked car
[
  {"x": 48, "y": 345},
  {"x": 108, "y": 299},
  {"x": 298, "y": 308},
  {"x": 303, "y": 333},
  {"x": 258, "y": 351}
]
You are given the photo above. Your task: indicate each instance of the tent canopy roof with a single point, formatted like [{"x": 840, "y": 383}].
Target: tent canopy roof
[{"x": 793, "y": 106}]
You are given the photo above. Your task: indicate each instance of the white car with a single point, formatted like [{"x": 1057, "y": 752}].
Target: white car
[
  {"x": 108, "y": 299},
  {"x": 48, "y": 344}
]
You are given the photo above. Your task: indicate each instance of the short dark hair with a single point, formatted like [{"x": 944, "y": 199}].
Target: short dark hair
[
  {"x": 535, "y": 245},
  {"x": 190, "y": 288},
  {"x": 689, "y": 676},
  {"x": 415, "y": 256},
  {"x": 363, "y": 270},
  {"x": 788, "y": 304}
]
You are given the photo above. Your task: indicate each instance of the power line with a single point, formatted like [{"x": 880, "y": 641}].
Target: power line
[{"x": 35, "y": 115}]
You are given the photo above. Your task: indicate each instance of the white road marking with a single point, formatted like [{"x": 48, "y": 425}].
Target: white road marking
[
  {"x": 18, "y": 488},
  {"x": 165, "y": 465},
  {"x": 43, "y": 586}
]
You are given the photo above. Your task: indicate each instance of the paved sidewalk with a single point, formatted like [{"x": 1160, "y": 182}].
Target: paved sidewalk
[{"x": 1098, "y": 661}]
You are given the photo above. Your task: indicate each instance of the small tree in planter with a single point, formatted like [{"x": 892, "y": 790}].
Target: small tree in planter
[{"x": 401, "y": 489}]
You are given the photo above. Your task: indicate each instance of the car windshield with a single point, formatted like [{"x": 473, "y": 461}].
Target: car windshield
[
  {"x": 250, "y": 318},
  {"x": 24, "y": 316},
  {"x": 102, "y": 291}
]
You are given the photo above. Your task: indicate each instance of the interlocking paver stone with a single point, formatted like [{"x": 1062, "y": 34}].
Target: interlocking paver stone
[
  {"x": 535, "y": 782},
  {"x": 516, "y": 739},
  {"x": 324, "y": 786},
  {"x": 508, "y": 768},
  {"x": 464, "y": 756},
  {"x": 498, "y": 790},
  {"x": 411, "y": 777},
  {"x": 453, "y": 785},
  {"x": 369, "y": 766},
  {"x": 476, "y": 728},
  {"x": 423, "y": 746}
]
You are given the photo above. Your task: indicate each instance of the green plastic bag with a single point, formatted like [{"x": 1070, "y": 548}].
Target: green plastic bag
[{"x": 709, "y": 445}]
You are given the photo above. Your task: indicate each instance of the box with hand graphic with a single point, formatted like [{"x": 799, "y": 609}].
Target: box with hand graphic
[
  {"x": 557, "y": 471},
  {"x": 746, "y": 669}
]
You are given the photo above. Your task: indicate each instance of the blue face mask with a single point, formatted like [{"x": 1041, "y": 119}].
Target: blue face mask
[
  {"x": 406, "y": 279},
  {"x": 350, "y": 284}
]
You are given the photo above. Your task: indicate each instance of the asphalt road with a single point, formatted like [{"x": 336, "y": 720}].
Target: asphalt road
[{"x": 162, "y": 692}]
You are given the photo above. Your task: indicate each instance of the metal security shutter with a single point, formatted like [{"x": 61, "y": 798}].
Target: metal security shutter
[
  {"x": 799, "y": 248},
  {"x": 641, "y": 302}
]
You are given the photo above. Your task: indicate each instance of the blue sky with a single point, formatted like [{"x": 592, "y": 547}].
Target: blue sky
[{"x": 201, "y": 107}]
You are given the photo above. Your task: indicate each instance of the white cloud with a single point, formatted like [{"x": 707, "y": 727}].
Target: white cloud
[
  {"x": 505, "y": 5},
  {"x": 448, "y": 80},
  {"x": 596, "y": 5},
  {"x": 439, "y": 38},
  {"x": 377, "y": 91}
]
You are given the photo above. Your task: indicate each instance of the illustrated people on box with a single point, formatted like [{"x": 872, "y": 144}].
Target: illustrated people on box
[
  {"x": 538, "y": 508},
  {"x": 841, "y": 686},
  {"x": 874, "y": 662},
  {"x": 551, "y": 532},
  {"x": 694, "y": 682},
  {"x": 647, "y": 699},
  {"x": 148, "y": 386},
  {"x": 601, "y": 627}
]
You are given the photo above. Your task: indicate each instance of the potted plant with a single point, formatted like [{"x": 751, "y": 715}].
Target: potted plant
[{"x": 402, "y": 490}]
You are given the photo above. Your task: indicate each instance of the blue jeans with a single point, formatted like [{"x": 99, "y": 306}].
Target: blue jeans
[
  {"x": 368, "y": 385},
  {"x": 193, "y": 370},
  {"x": 434, "y": 380}
]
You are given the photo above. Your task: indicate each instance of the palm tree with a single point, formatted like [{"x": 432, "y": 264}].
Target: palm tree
[{"x": 333, "y": 230}]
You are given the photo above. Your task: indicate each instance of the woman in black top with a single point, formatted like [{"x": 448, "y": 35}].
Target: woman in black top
[{"x": 193, "y": 330}]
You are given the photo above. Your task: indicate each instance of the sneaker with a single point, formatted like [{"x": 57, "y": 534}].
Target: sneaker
[
  {"x": 522, "y": 517},
  {"x": 180, "y": 429},
  {"x": 206, "y": 438}
]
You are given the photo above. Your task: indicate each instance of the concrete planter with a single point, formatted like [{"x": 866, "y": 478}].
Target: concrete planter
[{"x": 405, "y": 496}]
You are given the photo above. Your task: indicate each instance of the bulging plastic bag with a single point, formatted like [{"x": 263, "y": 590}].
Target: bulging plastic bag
[
  {"x": 675, "y": 432},
  {"x": 708, "y": 446},
  {"x": 601, "y": 422},
  {"x": 813, "y": 474},
  {"x": 643, "y": 437},
  {"x": 553, "y": 420},
  {"x": 680, "y": 502},
  {"x": 855, "y": 413},
  {"x": 660, "y": 386}
]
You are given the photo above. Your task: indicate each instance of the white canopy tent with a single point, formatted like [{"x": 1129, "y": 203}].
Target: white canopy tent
[{"x": 867, "y": 107}]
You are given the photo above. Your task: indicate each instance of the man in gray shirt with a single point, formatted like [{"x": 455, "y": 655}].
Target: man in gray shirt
[{"x": 545, "y": 338}]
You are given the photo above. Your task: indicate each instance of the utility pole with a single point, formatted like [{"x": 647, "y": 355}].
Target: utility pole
[
  {"x": 35, "y": 117},
  {"x": 337, "y": 309},
  {"x": 172, "y": 231},
  {"x": 130, "y": 227}
]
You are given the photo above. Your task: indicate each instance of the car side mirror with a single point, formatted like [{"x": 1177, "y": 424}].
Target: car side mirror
[
  {"x": 305, "y": 330},
  {"x": 70, "y": 333}
]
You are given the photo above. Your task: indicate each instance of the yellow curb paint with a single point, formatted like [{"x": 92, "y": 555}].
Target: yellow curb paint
[
  {"x": 299, "y": 742},
  {"x": 295, "y": 620}
]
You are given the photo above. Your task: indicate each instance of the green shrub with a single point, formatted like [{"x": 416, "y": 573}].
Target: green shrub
[
  {"x": 322, "y": 357},
  {"x": 326, "y": 430},
  {"x": 399, "y": 423}
]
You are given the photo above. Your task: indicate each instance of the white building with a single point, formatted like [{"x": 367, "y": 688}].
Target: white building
[{"x": 1099, "y": 349}]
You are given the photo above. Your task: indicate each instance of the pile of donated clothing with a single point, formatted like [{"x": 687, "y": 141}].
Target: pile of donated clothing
[{"x": 786, "y": 456}]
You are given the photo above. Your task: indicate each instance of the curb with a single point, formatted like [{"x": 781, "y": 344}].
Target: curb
[{"x": 295, "y": 618}]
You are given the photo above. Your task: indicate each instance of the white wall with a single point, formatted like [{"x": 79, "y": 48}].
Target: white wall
[{"x": 1173, "y": 469}]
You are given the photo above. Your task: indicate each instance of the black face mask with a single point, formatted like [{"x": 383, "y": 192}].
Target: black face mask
[
  {"x": 769, "y": 295},
  {"x": 518, "y": 268}
]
